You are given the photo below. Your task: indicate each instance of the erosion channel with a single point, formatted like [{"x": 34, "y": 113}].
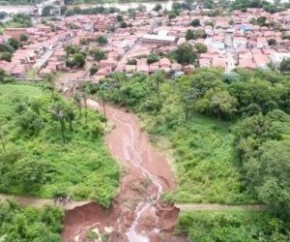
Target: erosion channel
[{"x": 137, "y": 214}]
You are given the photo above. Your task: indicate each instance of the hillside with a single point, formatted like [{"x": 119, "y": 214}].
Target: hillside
[{"x": 48, "y": 149}]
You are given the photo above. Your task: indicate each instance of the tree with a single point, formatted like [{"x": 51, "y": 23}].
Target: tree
[
  {"x": 153, "y": 57},
  {"x": 200, "y": 48},
  {"x": 79, "y": 60},
  {"x": 71, "y": 49},
  {"x": 172, "y": 15},
  {"x": 3, "y": 15},
  {"x": 102, "y": 40},
  {"x": 123, "y": 25},
  {"x": 285, "y": 65},
  {"x": 98, "y": 54},
  {"x": 85, "y": 99},
  {"x": 7, "y": 56},
  {"x": 185, "y": 55},
  {"x": 195, "y": 23},
  {"x": 14, "y": 43},
  {"x": 29, "y": 174},
  {"x": 218, "y": 102},
  {"x": 23, "y": 37},
  {"x": 261, "y": 21},
  {"x": 78, "y": 102},
  {"x": 119, "y": 18},
  {"x": 271, "y": 42},
  {"x": 157, "y": 7},
  {"x": 273, "y": 170},
  {"x": 22, "y": 20},
  {"x": 189, "y": 35},
  {"x": 58, "y": 114},
  {"x": 93, "y": 69},
  {"x": 30, "y": 122}
]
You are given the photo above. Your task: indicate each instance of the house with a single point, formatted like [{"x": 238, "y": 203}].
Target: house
[
  {"x": 240, "y": 42},
  {"x": 158, "y": 39}
]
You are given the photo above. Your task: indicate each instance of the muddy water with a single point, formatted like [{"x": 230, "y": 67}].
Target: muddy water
[{"x": 144, "y": 165}]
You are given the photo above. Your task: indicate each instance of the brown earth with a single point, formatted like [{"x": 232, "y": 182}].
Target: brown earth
[{"x": 147, "y": 175}]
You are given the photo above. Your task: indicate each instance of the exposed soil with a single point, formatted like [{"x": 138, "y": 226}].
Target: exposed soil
[{"x": 137, "y": 214}]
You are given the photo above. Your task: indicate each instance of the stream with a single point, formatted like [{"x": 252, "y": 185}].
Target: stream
[{"x": 131, "y": 147}]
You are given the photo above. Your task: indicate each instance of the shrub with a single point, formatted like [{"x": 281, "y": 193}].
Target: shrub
[
  {"x": 7, "y": 56},
  {"x": 152, "y": 58},
  {"x": 195, "y": 23},
  {"x": 102, "y": 40},
  {"x": 23, "y": 37},
  {"x": 200, "y": 48},
  {"x": 93, "y": 69}
]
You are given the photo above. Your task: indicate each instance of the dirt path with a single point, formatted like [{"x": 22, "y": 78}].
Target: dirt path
[
  {"x": 40, "y": 202},
  {"x": 218, "y": 207}
]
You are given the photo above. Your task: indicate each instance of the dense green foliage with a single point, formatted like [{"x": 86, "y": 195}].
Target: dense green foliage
[
  {"x": 266, "y": 5},
  {"x": 285, "y": 65},
  {"x": 29, "y": 224},
  {"x": 238, "y": 226},
  {"x": 229, "y": 131},
  {"x": 50, "y": 147},
  {"x": 7, "y": 48},
  {"x": 20, "y": 20}
]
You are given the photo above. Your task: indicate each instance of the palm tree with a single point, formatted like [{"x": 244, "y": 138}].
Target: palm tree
[
  {"x": 78, "y": 102},
  {"x": 59, "y": 114}
]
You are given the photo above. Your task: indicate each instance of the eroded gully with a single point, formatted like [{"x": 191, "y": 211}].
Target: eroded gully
[{"x": 137, "y": 215}]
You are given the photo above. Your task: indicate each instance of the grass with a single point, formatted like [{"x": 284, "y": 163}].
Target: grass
[
  {"x": 205, "y": 164},
  {"x": 235, "y": 226},
  {"x": 82, "y": 167},
  {"x": 203, "y": 154}
]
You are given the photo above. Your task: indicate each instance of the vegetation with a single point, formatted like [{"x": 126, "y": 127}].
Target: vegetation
[
  {"x": 229, "y": 132},
  {"x": 267, "y": 6},
  {"x": 152, "y": 58},
  {"x": 102, "y": 40},
  {"x": 7, "y": 56},
  {"x": 98, "y": 54},
  {"x": 29, "y": 224},
  {"x": 285, "y": 65},
  {"x": 230, "y": 137},
  {"x": 200, "y": 48},
  {"x": 238, "y": 226},
  {"x": 184, "y": 54},
  {"x": 48, "y": 147},
  {"x": 20, "y": 20}
]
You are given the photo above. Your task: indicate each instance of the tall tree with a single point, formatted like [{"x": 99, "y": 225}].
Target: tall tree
[{"x": 58, "y": 114}]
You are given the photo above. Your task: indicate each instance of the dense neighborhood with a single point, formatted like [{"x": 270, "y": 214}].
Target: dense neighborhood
[{"x": 144, "y": 42}]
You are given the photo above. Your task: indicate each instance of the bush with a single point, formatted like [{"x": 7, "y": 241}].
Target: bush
[
  {"x": 285, "y": 65},
  {"x": 152, "y": 58},
  {"x": 132, "y": 62},
  {"x": 23, "y": 37},
  {"x": 189, "y": 35},
  {"x": 14, "y": 43},
  {"x": 7, "y": 56},
  {"x": 185, "y": 55},
  {"x": 195, "y": 23},
  {"x": 200, "y": 48},
  {"x": 98, "y": 54},
  {"x": 102, "y": 40},
  {"x": 123, "y": 25},
  {"x": 271, "y": 42},
  {"x": 93, "y": 69}
]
